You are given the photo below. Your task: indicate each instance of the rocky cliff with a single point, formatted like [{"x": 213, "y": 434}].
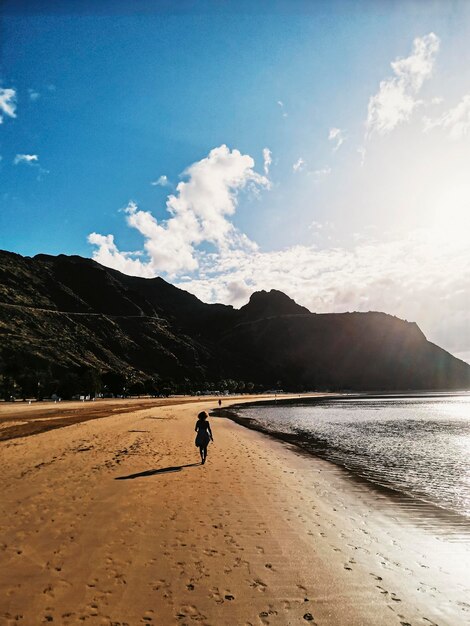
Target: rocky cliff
[{"x": 67, "y": 315}]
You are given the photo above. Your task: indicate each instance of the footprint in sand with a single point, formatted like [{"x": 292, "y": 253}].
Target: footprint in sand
[
  {"x": 93, "y": 608},
  {"x": 15, "y": 618},
  {"x": 215, "y": 595},
  {"x": 191, "y": 611},
  {"x": 265, "y": 615},
  {"x": 148, "y": 616},
  {"x": 259, "y": 585}
]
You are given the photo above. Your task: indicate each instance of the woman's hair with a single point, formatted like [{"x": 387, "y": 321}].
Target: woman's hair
[{"x": 202, "y": 415}]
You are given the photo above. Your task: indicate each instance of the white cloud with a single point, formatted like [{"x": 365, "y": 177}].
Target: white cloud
[
  {"x": 299, "y": 165},
  {"x": 336, "y": 135},
  {"x": 267, "y": 160},
  {"x": 362, "y": 152},
  {"x": 162, "y": 181},
  {"x": 321, "y": 173},
  {"x": 281, "y": 104},
  {"x": 237, "y": 291},
  {"x": 30, "y": 159},
  {"x": 456, "y": 121},
  {"x": 396, "y": 99},
  {"x": 111, "y": 256},
  {"x": 320, "y": 226},
  {"x": 7, "y": 103},
  {"x": 33, "y": 161},
  {"x": 33, "y": 94},
  {"x": 199, "y": 213}
]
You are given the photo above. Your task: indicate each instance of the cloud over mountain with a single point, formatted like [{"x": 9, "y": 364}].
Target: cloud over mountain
[{"x": 199, "y": 212}]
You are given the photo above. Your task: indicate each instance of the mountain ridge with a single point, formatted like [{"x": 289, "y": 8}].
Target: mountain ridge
[{"x": 66, "y": 315}]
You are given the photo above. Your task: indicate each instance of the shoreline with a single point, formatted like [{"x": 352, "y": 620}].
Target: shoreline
[
  {"x": 428, "y": 515},
  {"x": 259, "y": 535}
]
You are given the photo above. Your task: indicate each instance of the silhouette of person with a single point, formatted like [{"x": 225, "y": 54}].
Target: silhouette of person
[
  {"x": 204, "y": 435},
  {"x": 220, "y": 403}
]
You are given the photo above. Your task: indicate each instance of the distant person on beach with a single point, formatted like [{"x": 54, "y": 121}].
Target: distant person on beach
[
  {"x": 204, "y": 435},
  {"x": 220, "y": 403}
]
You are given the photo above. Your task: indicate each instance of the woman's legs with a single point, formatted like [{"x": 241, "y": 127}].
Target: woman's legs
[{"x": 203, "y": 454}]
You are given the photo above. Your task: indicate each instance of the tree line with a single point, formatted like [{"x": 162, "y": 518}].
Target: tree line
[{"x": 18, "y": 382}]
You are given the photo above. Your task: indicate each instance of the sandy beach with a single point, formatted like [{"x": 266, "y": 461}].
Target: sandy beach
[{"x": 113, "y": 521}]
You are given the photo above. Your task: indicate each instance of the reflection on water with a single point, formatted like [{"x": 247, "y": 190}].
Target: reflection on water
[{"x": 418, "y": 446}]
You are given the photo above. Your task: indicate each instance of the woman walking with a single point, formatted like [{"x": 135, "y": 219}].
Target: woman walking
[{"x": 204, "y": 435}]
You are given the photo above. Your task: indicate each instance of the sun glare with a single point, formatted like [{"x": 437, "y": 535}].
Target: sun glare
[{"x": 450, "y": 214}]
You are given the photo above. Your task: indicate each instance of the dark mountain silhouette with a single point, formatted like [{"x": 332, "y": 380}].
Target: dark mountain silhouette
[{"x": 66, "y": 316}]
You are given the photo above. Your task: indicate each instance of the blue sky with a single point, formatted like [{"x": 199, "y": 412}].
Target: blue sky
[{"x": 365, "y": 157}]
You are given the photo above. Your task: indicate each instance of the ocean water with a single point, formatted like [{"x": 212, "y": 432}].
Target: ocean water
[{"x": 418, "y": 446}]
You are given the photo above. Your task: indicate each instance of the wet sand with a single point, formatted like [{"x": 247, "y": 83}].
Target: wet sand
[{"x": 112, "y": 521}]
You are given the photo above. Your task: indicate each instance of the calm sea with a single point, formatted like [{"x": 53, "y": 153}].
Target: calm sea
[{"x": 416, "y": 445}]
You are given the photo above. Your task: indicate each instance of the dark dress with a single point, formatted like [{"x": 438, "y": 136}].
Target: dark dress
[{"x": 202, "y": 437}]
